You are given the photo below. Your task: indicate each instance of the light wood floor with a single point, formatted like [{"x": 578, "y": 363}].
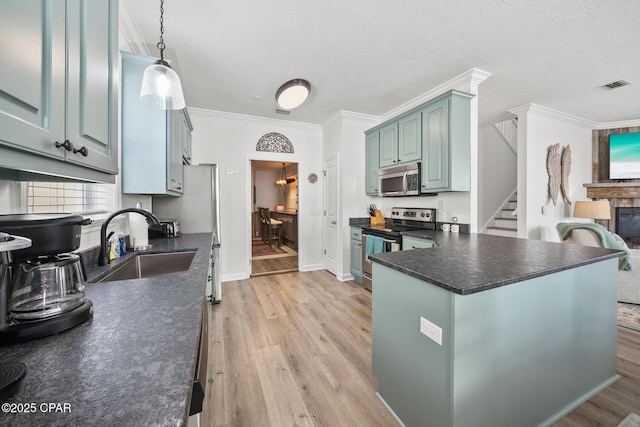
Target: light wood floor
[
  {"x": 295, "y": 349},
  {"x": 261, "y": 267},
  {"x": 274, "y": 265}
]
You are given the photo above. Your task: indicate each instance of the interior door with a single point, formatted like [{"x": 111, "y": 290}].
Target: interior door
[{"x": 331, "y": 214}]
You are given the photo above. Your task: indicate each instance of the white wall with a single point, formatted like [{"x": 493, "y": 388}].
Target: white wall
[
  {"x": 497, "y": 173},
  {"x": 538, "y": 129},
  {"x": 230, "y": 141},
  {"x": 343, "y": 137},
  {"x": 268, "y": 193}
]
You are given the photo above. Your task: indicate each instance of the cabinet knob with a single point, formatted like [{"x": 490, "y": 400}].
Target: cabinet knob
[
  {"x": 333, "y": 222},
  {"x": 66, "y": 144},
  {"x": 83, "y": 150}
]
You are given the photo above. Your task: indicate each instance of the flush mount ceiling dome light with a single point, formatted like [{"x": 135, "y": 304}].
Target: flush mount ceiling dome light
[
  {"x": 161, "y": 85},
  {"x": 293, "y": 93}
]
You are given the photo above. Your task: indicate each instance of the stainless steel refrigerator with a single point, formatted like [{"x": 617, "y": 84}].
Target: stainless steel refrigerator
[{"x": 198, "y": 211}]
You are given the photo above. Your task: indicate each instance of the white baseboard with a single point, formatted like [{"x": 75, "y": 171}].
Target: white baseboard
[
  {"x": 345, "y": 277},
  {"x": 232, "y": 277},
  {"x": 311, "y": 267}
]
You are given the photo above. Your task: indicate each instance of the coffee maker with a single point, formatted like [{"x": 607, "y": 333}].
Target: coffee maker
[{"x": 41, "y": 293}]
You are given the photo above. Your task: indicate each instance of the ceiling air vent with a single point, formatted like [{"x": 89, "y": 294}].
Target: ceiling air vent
[
  {"x": 619, "y": 83},
  {"x": 285, "y": 112}
]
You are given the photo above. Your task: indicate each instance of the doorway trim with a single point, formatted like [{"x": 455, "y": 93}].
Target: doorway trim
[{"x": 338, "y": 223}]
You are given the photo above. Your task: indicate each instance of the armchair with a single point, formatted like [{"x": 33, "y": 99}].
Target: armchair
[{"x": 628, "y": 281}]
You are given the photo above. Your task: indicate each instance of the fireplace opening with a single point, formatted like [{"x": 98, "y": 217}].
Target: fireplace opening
[{"x": 628, "y": 222}]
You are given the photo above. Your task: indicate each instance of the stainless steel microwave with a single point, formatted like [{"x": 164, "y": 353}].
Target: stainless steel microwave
[{"x": 403, "y": 180}]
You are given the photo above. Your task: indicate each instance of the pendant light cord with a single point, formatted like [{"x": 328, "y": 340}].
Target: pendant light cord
[{"x": 161, "y": 44}]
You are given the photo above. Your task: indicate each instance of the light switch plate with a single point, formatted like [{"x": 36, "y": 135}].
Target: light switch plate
[{"x": 431, "y": 330}]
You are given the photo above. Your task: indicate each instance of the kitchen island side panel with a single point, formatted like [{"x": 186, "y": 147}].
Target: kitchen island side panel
[
  {"x": 413, "y": 372},
  {"x": 528, "y": 353},
  {"x": 523, "y": 354}
]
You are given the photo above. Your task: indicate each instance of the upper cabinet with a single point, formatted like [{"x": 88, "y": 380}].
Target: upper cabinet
[
  {"x": 436, "y": 134},
  {"x": 446, "y": 144},
  {"x": 155, "y": 143},
  {"x": 58, "y": 88},
  {"x": 372, "y": 162},
  {"x": 400, "y": 141}
]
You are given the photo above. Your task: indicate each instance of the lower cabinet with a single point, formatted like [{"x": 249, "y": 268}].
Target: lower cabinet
[
  {"x": 356, "y": 254},
  {"x": 289, "y": 228},
  {"x": 409, "y": 243}
]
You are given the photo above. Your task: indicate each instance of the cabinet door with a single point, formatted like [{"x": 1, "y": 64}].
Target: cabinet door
[
  {"x": 435, "y": 146},
  {"x": 144, "y": 133},
  {"x": 372, "y": 164},
  {"x": 92, "y": 70},
  {"x": 389, "y": 145},
  {"x": 356, "y": 259},
  {"x": 175, "y": 167},
  {"x": 409, "y": 142},
  {"x": 32, "y": 76},
  {"x": 409, "y": 243}
]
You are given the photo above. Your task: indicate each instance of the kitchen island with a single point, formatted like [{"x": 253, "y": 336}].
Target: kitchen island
[
  {"x": 492, "y": 331},
  {"x": 132, "y": 363}
]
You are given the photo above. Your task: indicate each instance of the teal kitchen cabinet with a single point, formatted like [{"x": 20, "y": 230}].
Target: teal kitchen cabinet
[
  {"x": 372, "y": 162},
  {"x": 446, "y": 144},
  {"x": 153, "y": 140},
  {"x": 58, "y": 103},
  {"x": 356, "y": 254},
  {"x": 400, "y": 141},
  {"x": 437, "y": 134},
  {"x": 409, "y": 143},
  {"x": 389, "y": 145},
  {"x": 409, "y": 243}
]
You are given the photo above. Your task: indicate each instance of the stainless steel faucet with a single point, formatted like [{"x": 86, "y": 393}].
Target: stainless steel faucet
[{"x": 103, "y": 258}]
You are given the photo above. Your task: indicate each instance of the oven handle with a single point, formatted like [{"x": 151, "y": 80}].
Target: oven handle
[{"x": 405, "y": 184}]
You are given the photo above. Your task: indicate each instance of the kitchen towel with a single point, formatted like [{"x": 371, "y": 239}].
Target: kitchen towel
[{"x": 375, "y": 245}]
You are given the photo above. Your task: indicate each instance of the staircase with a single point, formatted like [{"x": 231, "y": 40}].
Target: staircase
[{"x": 505, "y": 222}]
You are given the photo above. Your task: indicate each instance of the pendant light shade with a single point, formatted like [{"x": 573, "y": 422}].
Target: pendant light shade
[
  {"x": 283, "y": 179},
  {"x": 161, "y": 86},
  {"x": 293, "y": 93}
]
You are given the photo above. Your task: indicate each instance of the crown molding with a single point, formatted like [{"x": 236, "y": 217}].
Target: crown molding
[
  {"x": 553, "y": 114},
  {"x": 352, "y": 115},
  {"x": 245, "y": 117},
  {"x": 130, "y": 31},
  {"x": 618, "y": 124},
  {"x": 471, "y": 77}
]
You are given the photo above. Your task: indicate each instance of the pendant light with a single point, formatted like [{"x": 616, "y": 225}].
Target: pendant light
[
  {"x": 283, "y": 180},
  {"x": 293, "y": 93},
  {"x": 161, "y": 85}
]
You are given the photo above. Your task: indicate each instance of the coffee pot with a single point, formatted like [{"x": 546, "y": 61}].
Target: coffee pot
[{"x": 41, "y": 292}]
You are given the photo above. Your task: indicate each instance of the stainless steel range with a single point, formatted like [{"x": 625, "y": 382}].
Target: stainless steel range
[{"x": 402, "y": 220}]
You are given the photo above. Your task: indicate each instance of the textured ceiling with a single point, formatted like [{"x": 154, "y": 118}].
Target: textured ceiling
[{"x": 370, "y": 56}]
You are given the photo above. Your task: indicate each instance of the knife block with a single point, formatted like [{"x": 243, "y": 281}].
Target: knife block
[{"x": 378, "y": 219}]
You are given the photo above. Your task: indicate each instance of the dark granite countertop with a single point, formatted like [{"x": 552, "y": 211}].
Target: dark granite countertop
[
  {"x": 133, "y": 363},
  {"x": 469, "y": 263}
]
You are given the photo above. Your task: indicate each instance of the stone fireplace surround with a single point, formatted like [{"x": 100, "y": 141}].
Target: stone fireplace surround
[{"x": 620, "y": 193}]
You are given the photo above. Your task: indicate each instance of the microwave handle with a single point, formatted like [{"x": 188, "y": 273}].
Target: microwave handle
[{"x": 405, "y": 184}]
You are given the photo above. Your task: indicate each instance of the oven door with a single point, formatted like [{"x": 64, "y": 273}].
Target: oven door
[
  {"x": 393, "y": 184},
  {"x": 390, "y": 245}
]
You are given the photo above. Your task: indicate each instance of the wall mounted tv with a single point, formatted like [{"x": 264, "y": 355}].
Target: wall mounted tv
[{"x": 624, "y": 155}]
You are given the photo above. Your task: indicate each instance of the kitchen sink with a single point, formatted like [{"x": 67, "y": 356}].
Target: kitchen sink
[{"x": 151, "y": 265}]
